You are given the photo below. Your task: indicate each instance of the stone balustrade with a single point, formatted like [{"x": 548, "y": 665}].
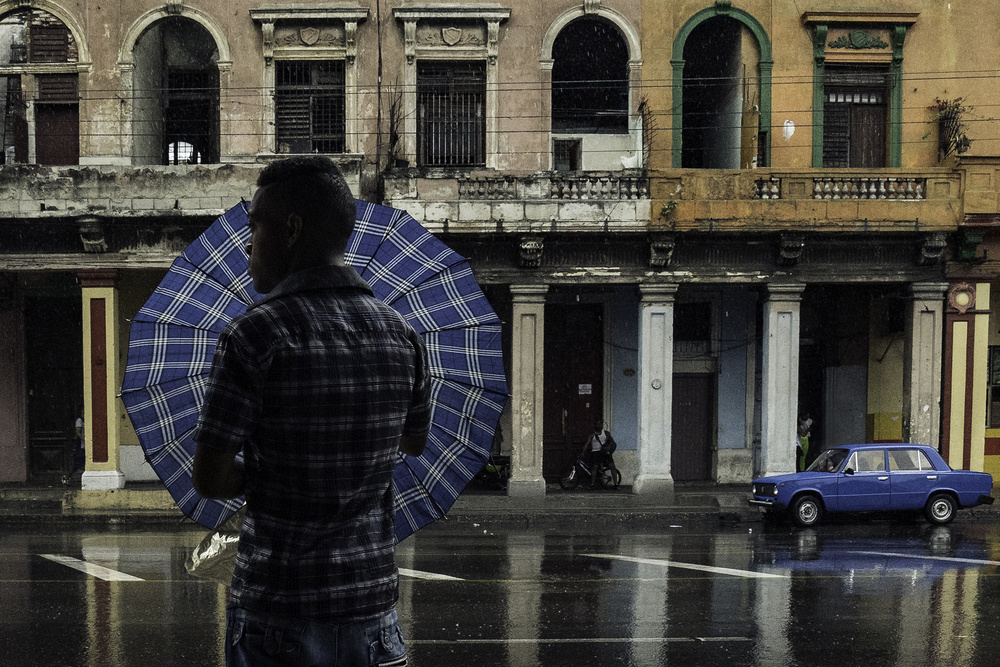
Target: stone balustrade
[
  {"x": 849, "y": 186},
  {"x": 585, "y": 186},
  {"x": 539, "y": 201}
]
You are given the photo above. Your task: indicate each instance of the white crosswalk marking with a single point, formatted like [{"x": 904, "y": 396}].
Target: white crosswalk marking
[
  {"x": 749, "y": 574},
  {"x": 417, "y": 574},
  {"x": 96, "y": 571},
  {"x": 946, "y": 559}
]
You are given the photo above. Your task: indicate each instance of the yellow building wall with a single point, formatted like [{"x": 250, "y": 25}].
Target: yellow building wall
[
  {"x": 885, "y": 390},
  {"x": 935, "y": 50}
]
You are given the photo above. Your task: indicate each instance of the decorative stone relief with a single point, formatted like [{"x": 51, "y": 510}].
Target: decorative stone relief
[
  {"x": 531, "y": 251},
  {"x": 790, "y": 249},
  {"x": 661, "y": 251},
  {"x": 92, "y": 235},
  {"x": 325, "y": 36},
  {"x": 453, "y": 35},
  {"x": 591, "y": 6},
  {"x": 858, "y": 39},
  {"x": 173, "y": 7},
  {"x": 267, "y": 32},
  {"x": 931, "y": 249}
]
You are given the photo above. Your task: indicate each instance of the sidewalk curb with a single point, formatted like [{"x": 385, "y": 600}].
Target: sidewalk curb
[{"x": 556, "y": 509}]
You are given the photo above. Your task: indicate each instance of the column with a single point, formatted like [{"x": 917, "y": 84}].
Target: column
[
  {"x": 100, "y": 379},
  {"x": 966, "y": 376},
  {"x": 656, "y": 375},
  {"x": 780, "y": 382},
  {"x": 527, "y": 390},
  {"x": 922, "y": 367}
]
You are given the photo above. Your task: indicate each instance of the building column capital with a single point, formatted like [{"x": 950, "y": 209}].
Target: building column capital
[
  {"x": 785, "y": 291},
  {"x": 658, "y": 292},
  {"x": 529, "y": 293},
  {"x": 928, "y": 291},
  {"x": 98, "y": 277}
]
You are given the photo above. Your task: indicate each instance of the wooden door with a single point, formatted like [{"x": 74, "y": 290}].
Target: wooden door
[
  {"x": 868, "y": 140},
  {"x": 54, "y": 378},
  {"x": 574, "y": 382},
  {"x": 57, "y": 135},
  {"x": 693, "y": 427}
]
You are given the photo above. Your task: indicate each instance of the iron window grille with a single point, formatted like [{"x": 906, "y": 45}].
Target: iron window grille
[
  {"x": 451, "y": 114},
  {"x": 191, "y": 108},
  {"x": 309, "y": 106}
]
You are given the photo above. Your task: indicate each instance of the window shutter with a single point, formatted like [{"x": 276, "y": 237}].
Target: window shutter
[
  {"x": 57, "y": 88},
  {"x": 49, "y": 44}
]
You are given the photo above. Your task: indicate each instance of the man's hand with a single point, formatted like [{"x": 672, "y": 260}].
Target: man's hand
[
  {"x": 414, "y": 446},
  {"x": 217, "y": 474}
]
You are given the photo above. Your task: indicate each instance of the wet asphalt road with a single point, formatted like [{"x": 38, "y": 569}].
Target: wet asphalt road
[{"x": 876, "y": 593}]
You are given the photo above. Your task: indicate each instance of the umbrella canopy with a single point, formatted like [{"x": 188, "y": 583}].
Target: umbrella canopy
[{"x": 173, "y": 338}]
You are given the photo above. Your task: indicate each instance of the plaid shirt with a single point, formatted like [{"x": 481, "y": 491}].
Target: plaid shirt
[{"x": 315, "y": 384}]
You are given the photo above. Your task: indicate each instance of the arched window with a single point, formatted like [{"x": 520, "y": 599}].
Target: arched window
[
  {"x": 175, "y": 94},
  {"x": 590, "y": 79},
  {"x": 38, "y": 56},
  {"x": 721, "y": 96},
  {"x": 722, "y": 91}
]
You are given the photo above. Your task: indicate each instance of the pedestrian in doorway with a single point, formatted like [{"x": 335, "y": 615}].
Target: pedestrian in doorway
[
  {"x": 598, "y": 449},
  {"x": 803, "y": 433},
  {"x": 311, "y": 395},
  {"x": 79, "y": 447}
]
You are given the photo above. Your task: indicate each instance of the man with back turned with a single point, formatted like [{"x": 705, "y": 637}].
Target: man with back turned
[{"x": 319, "y": 385}]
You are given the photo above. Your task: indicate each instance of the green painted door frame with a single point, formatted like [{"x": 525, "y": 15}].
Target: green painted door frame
[
  {"x": 720, "y": 8},
  {"x": 895, "y": 154}
]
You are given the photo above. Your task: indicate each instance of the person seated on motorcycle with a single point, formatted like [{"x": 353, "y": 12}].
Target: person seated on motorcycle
[{"x": 597, "y": 450}]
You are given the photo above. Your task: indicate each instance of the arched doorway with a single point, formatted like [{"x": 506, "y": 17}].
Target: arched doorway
[
  {"x": 175, "y": 94},
  {"x": 39, "y": 89},
  {"x": 721, "y": 91}
]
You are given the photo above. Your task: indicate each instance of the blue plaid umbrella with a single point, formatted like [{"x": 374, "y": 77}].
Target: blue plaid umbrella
[{"x": 173, "y": 338}]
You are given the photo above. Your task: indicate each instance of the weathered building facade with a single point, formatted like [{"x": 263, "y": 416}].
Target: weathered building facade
[{"x": 698, "y": 221}]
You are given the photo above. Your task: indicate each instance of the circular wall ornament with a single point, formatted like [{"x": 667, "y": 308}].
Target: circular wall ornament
[{"x": 962, "y": 297}]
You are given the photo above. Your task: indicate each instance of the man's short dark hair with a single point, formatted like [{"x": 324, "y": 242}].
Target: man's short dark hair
[{"x": 313, "y": 188}]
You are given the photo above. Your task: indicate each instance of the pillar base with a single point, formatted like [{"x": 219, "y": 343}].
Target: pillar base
[
  {"x": 649, "y": 485},
  {"x": 102, "y": 480},
  {"x": 526, "y": 488}
]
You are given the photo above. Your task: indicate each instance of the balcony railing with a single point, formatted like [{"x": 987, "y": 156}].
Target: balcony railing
[
  {"x": 556, "y": 201},
  {"x": 893, "y": 188},
  {"x": 600, "y": 186}
]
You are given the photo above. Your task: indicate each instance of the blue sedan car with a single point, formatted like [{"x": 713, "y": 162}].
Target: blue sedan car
[{"x": 874, "y": 478}]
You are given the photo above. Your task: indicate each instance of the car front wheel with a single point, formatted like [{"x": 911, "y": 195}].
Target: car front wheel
[
  {"x": 940, "y": 509},
  {"x": 807, "y": 511}
]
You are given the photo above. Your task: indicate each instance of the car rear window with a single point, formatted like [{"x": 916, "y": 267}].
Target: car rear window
[{"x": 909, "y": 459}]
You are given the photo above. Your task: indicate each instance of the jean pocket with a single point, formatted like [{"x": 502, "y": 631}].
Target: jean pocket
[
  {"x": 388, "y": 650},
  {"x": 278, "y": 645}
]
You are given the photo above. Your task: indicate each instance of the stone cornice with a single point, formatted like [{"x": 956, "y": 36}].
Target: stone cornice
[
  {"x": 859, "y": 17},
  {"x": 485, "y": 11},
  {"x": 287, "y": 12}
]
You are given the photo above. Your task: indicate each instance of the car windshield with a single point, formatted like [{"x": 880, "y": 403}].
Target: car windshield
[{"x": 829, "y": 460}]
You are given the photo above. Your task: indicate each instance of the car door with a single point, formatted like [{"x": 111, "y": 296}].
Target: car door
[
  {"x": 912, "y": 478},
  {"x": 868, "y": 488}
]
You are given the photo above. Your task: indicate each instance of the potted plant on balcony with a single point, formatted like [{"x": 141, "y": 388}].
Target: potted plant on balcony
[{"x": 952, "y": 136}]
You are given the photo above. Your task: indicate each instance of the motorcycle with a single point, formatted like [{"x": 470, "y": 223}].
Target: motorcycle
[{"x": 607, "y": 477}]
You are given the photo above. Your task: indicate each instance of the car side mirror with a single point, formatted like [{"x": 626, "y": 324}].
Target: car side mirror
[{"x": 849, "y": 471}]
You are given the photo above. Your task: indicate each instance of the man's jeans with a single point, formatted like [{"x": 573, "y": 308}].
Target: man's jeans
[{"x": 258, "y": 640}]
